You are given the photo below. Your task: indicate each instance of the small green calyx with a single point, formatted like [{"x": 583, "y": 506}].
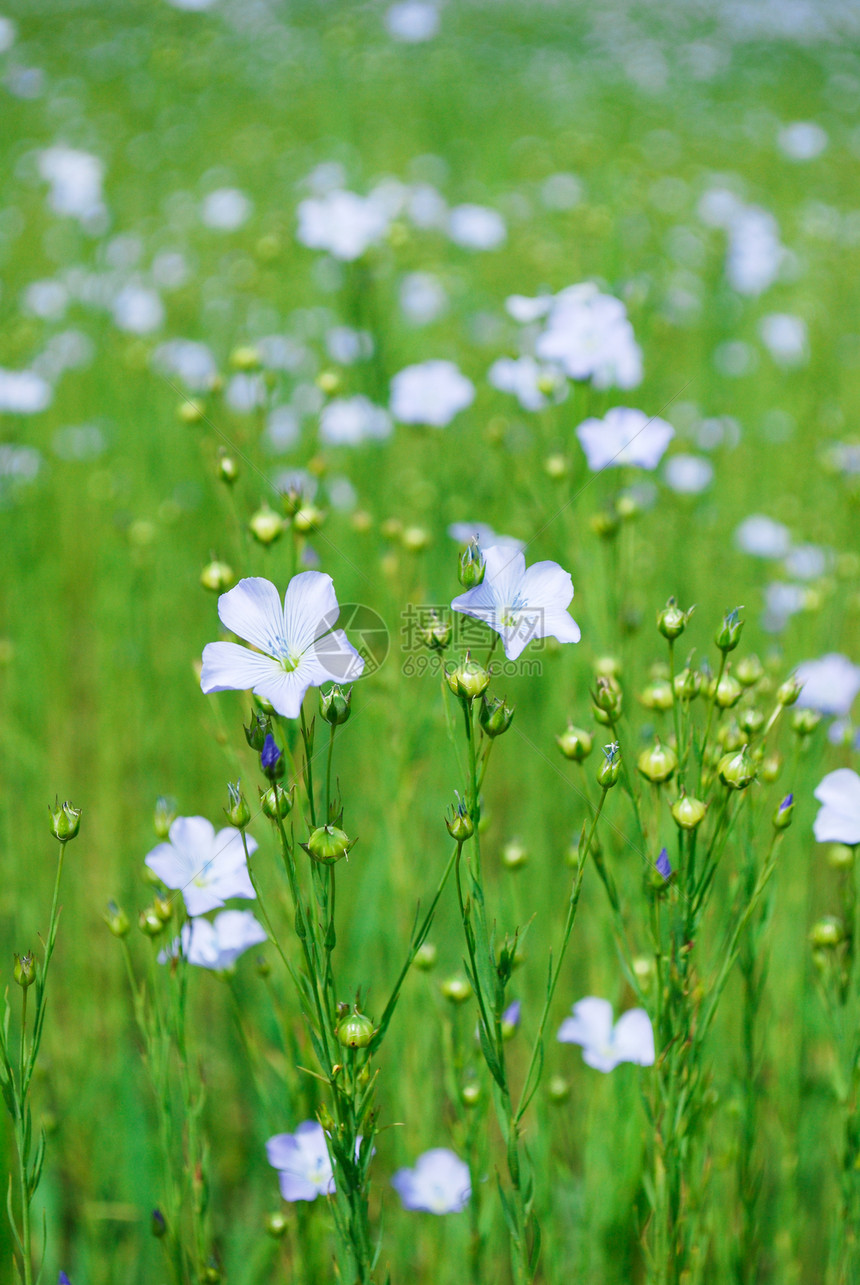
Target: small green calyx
[
  {"x": 737, "y": 771},
  {"x": 575, "y": 744},
  {"x": 729, "y": 634},
  {"x": 496, "y": 715},
  {"x": 657, "y": 763},
  {"x": 610, "y": 769},
  {"x": 335, "y": 704},
  {"x": 116, "y": 920},
  {"x": 459, "y": 821},
  {"x": 65, "y": 821},
  {"x": 237, "y": 811},
  {"x": 355, "y": 1031},
  {"x": 328, "y": 844},
  {"x": 672, "y": 621},
  {"x": 25, "y": 969},
  {"x": 277, "y": 802},
  {"x": 688, "y": 813},
  {"x": 471, "y": 566},
  {"x": 469, "y": 679}
]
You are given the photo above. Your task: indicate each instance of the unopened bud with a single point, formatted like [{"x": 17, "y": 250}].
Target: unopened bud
[
  {"x": 470, "y": 1093},
  {"x": 275, "y": 1224},
  {"x": 727, "y": 692},
  {"x": 228, "y": 467},
  {"x": 657, "y": 695},
  {"x": 575, "y": 743},
  {"x": 425, "y": 956},
  {"x": 436, "y": 634},
  {"x": 65, "y": 821},
  {"x": 657, "y": 763},
  {"x": 607, "y": 701},
  {"x": 190, "y": 411},
  {"x": 335, "y": 704},
  {"x": 736, "y": 770},
  {"x": 328, "y": 844},
  {"x": 116, "y": 920},
  {"x": 355, "y": 1031},
  {"x": 496, "y": 715},
  {"x": 687, "y": 684},
  {"x": 307, "y": 519},
  {"x": 456, "y": 989},
  {"x": 805, "y": 721},
  {"x": 688, "y": 812},
  {"x": 277, "y": 802},
  {"x": 272, "y": 759},
  {"x": 514, "y": 854},
  {"x": 157, "y": 1225},
  {"x": 558, "y": 1089},
  {"x": 729, "y": 634},
  {"x": 751, "y": 720},
  {"x": 149, "y": 922},
  {"x": 827, "y": 933},
  {"x": 217, "y": 576},
  {"x": 25, "y": 969},
  {"x": 245, "y": 358},
  {"x": 672, "y": 621},
  {"x": 749, "y": 671},
  {"x": 459, "y": 821},
  {"x": 788, "y": 692},
  {"x": 471, "y": 570},
  {"x": 328, "y": 382},
  {"x": 257, "y": 730},
  {"x": 469, "y": 679},
  {"x": 782, "y": 816},
  {"x": 610, "y": 769},
  {"x": 730, "y": 736},
  {"x": 237, "y": 810},
  {"x": 266, "y": 526},
  {"x": 771, "y": 766}
]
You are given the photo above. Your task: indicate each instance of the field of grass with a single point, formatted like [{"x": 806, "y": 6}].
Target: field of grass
[{"x": 601, "y": 136}]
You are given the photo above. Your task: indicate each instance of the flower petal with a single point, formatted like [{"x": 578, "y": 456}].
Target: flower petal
[
  {"x": 252, "y": 610},
  {"x": 227, "y": 667},
  {"x": 504, "y": 571},
  {"x": 835, "y": 826},
  {"x": 547, "y": 585},
  {"x": 560, "y": 625},
  {"x": 633, "y": 1038},
  {"x": 841, "y": 790},
  {"x": 310, "y": 609},
  {"x": 332, "y": 658},
  {"x": 591, "y": 1023}
]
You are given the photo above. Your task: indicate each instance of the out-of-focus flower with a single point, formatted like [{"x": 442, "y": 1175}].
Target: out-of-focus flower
[
  {"x": 755, "y": 253},
  {"x": 534, "y": 385},
  {"x": 431, "y": 392},
  {"x": 590, "y": 336},
  {"x": 464, "y": 532},
  {"x": 217, "y": 945},
  {"x": 785, "y": 338},
  {"x": 192, "y": 361},
  {"x": 688, "y": 474},
  {"x": 830, "y": 684},
  {"x": 624, "y": 436},
  {"x": 476, "y": 227},
  {"x": 763, "y": 537},
  {"x": 439, "y": 1183},
  {"x": 412, "y": 21},
  {"x": 207, "y": 868},
  {"x": 422, "y": 297},
  {"x": 348, "y": 421},
  {"x": 76, "y": 182},
  {"x": 838, "y": 819},
  {"x": 138, "y": 310},
  {"x": 604, "y": 1046},
  {"x": 297, "y": 645},
  {"x": 302, "y": 1162},
  {"x": 343, "y": 223},
  {"x": 226, "y": 209},
  {"x": 802, "y": 140},
  {"x": 519, "y": 604},
  {"x": 23, "y": 392}
]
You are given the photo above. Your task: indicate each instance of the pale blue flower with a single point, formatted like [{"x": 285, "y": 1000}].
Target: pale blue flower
[
  {"x": 604, "y": 1046},
  {"x": 208, "y": 868},
  {"x": 216, "y": 945},
  {"x": 624, "y": 436},
  {"x": 521, "y": 604},
  {"x": 302, "y": 1161},
  {"x": 838, "y": 819},
  {"x": 439, "y": 1183}
]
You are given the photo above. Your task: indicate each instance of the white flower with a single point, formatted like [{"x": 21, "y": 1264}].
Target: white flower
[
  {"x": 431, "y": 392},
  {"x": 302, "y": 1162},
  {"x": 219, "y": 944},
  {"x": 226, "y": 209},
  {"x": 785, "y": 337},
  {"x": 604, "y": 1046},
  {"x": 412, "y": 21},
  {"x": 755, "y": 254},
  {"x": 781, "y": 602},
  {"x": 343, "y": 223},
  {"x": 47, "y": 299},
  {"x": 838, "y": 819},
  {"x": 439, "y": 1183},
  {"x": 528, "y": 381},
  {"x": 807, "y": 561},
  {"x": 138, "y": 310},
  {"x": 589, "y": 335},
  {"x": 525, "y": 310},
  {"x": 465, "y": 532},
  {"x": 422, "y": 297},
  {"x": 624, "y": 436},
  {"x": 802, "y": 140},
  {"x": 23, "y": 392},
  {"x": 476, "y": 227},
  {"x": 297, "y": 647},
  {"x": 762, "y": 537},
  {"x": 519, "y": 604},
  {"x": 193, "y": 362},
  {"x": 76, "y": 181},
  {"x": 688, "y": 474},
  {"x": 830, "y": 684},
  {"x": 207, "y": 868},
  {"x": 347, "y": 421}
]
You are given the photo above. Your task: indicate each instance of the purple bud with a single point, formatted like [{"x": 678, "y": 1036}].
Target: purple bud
[
  {"x": 787, "y": 802},
  {"x": 663, "y": 866},
  {"x": 511, "y": 1015},
  {"x": 63, "y": 1279},
  {"x": 158, "y": 1225},
  {"x": 270, "y": 758}
]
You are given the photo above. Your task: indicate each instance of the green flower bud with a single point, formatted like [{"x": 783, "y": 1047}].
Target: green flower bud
[
  {"x": 788, "y": 692},
  {"x": 245, "y": 358},
  {"x": 307, "y": 519},
  {"x": 730, "y": 736},
  {"x": 459, "y": 821},
  {"x": 436, "y": 634},
  {"x": 425, "y": 956},
  {"x": 157, "y": 1225},
  {"x": 729, "y": 634},
  {"x": 555, "y": 466},
  {"x": 672, "y": 621},
  {"x": 469, "y": 679},
  {"x": 228, "y": 467},
  {"x": 456, "y": 989},
  {"x": 190, "y": 411},
  {"x": 687, "y": 684},
  {"x": 355, "y": 1031},
  {"x": 749, "y": 671},
  {"x": 149, "y": 922},
  {"x": 257, "y": 730},
  {"x": 558, "y": 1089},
  {"x": 736, "y": 770},
  {"x": 470, "y": 1093},
  {"x": 335, "y": 704},
  {"x": 291, "y": 500},
  {"x": 610, "y": 769},
  {"x": 840, "y": 856},
  {"x": 471, "y": 566},
  {"x": 25, "y": 969},
  {"x": 604, "y": 524},
  {"x": 805, "y": 721},
  {"x": 644, "y": 970},
  {"x": 217, "y": 576},
  {"x": 277, "y": 802},
  {"x": 262, "y": 967},
  {"x": 328, "y": 844},
  {"x": 782, "y": 816},
  {"x": 751, "y": 720},
  {"x": 266, "y": 526},
  {"x": 328, "y": 382},
  {"x": 496, "y": 715},
  {"x": 65, "y": 821},
  {"x": 657, "y": 763},
  {"x": 514, "y": 854},
  {"x": 237, "y": 810},
  {"x": 827, "y": 933},
  {"x": 607, "y": 697},
  {"x": 275, "y": 1224},
  {"x": 116, "y": 920},
  {"x": 728, "y": 692},
  {"x": 771, "y": 766},
  {"x": 575, "y": 744},
  {"x": 657, "y": 695},
  {"x": 688, "y": 812}
]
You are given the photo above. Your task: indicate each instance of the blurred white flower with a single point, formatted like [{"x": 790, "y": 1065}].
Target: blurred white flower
[
  {"x": 138, "y": 310},
  {"x": 217, "y": 945},
  {"x": 807, "y": 561},
  {"x": 19, "y": 463},
  {"x": 533, "y": 385},
  {"x": 427, "y": 207},
  {"x": 735, "y": 358},
  {"x": 830, "y": 684},
  {"x": 348, "y": 421},
  {"x": 802, "y": 141},
  {"x": 624, "y": 436},
  {"x": 755, "y": 253},
  {"x": 193, "y": 362},
  {"x": 838, "y": 819},
  {"x": 561, "y": 191},
  {"x": 465, "y": 532},
  {"x": 422, "y": 297},
  {"x": 688, "y": 474},
  {"x": 785, "y": 337},
  {"x": 22, "y": 392},
  {"x": 7, "y": 34},
  {"x": 604, "y": 1046},
  {"x": 347, "y": 346},
  {"x": 76, "y": 181},
  {"x": 438, "y": 1184},
  {"x": 412, "y": 21},
  {"x": 245, "y": 392},
  {"x": 476, "y": 227},
  {"x": 46, "y": 299},
  {"x": 431, "y": 392},
  {"x": 524, "y": 309},
  {"x": 283, "y": 428},
  {"x": 342, "y": 223},
  {"x": 589, "y": 335},
  {"x": 226, "y": 209},
  {"x": 763, "y": 537}
]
